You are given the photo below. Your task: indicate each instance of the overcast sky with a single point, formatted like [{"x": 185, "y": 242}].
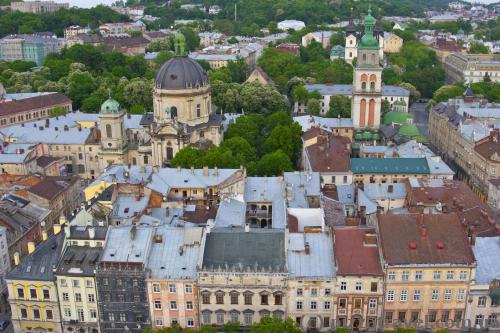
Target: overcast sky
[{"x": 86, "y": 3}]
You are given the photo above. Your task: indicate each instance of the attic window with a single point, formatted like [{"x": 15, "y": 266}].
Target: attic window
[
  {"x": 185, "y": 180},
  {"x": 126, "y": 210},
  {"x": 173, "y": 76}
]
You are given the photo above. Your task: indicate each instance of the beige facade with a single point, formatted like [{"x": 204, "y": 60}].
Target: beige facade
[
  {"x": 428, "y": 293},
  {"x": 392, "y": 43},
  {"x": 482, "y": 307},
  {"x": 240, "y": 297},
  {"x": 310, "y": 303},
  {"x": 470, "y": 68}
]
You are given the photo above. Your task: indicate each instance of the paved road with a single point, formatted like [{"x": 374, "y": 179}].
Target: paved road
[{"x": 420, "y": 117}]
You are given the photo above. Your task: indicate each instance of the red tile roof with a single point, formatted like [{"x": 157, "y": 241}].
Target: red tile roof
[
  {"x": 424, "y": 239},
  {"x": 51, "y": 187},
  {"x": 33, "y": 103},
  {"x": 489, "y": 147},
  {"x": 330, "y": 154},
  {"x": 352, "y": 255},
  {"x": 454, "y": 197}
]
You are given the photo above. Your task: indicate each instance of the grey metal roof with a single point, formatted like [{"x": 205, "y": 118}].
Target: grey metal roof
[
  {"x": 176, "y": 255},
  {"x": 365, "y": 201},
  {"x": 255, "y": 250},
  {"x": 487, "y": 252},
  {"x": 79, "y": 261},
  {"x": 231, "y": 213},
  {"x": 128, "y": 244},
  {"x": 181, "y": 73},
  {"x": 38, "y": 266},
  {"x": 82, "y": 232},
  {"x": 299, "y": 186},
  {"x": 307, "y": 122},
  {"x": 318, "y": 263},
  {"x": 381, "y": 191}
]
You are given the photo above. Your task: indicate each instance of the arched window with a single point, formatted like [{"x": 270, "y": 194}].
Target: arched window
[
  {"x": 173, "y": 112},
  {"x": 372, "y": 85},
  {"x": 373, "y": 77},
  {"x": 134, "y": 161},
  {"x": 364, "y": 77},
  {"x": 108, "y": 131},
  {"x": 362, "y": 113},
  {"x": 170, "y": 153},
  {"x": 363, "y": 85},
  {"x": 364, "y": 57},
  {"x": 198, "y": 110}
]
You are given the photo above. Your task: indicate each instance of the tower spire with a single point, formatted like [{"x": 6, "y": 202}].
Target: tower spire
[{"x": 180, "y": 45}]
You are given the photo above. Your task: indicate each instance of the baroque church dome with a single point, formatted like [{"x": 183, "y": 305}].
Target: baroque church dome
[
  {"x": 110, "y": 106},
  {"x": 180, "y": 72}
]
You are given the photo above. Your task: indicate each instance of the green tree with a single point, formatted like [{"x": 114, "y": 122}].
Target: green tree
[
  {"x": 414, "y": 93},
  {"x": 192, "y": 39},
  {"x": 340, "y": 106},
  {"x": 385, "y": 107},
  {"x": 80, "y": 85},
  {"x": 222, "y": 74},
  {"x": 478, "y": 48},
  {"x": 139, "y": 92},
  {"x": 446, "y": 92},
  {"x": 239, "y": 70},
  {"x": 188, "y": 157},
  {"x": 242, "y": 150},
  {"x": 275, "y": 325},
  {"x": 286, "y": 139},
  {"x": 264, "y": 99},
  {"x": 272, "y": 164},
  {"x": 247, "y": 127},
  {"x": 57, "y": 111},
  {"x": 313, "y": 106}
]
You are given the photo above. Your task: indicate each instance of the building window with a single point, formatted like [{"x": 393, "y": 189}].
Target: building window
[
  {"x": 391, "y": 276},
  {"x": 300, "y": 291},
  {"x": 372, "y": 303},
  {"x": 264, "y": 300},
  {"x": 416, "y": 295},
  {"x": 405, "y": 275},
  {"x": 447, "y": 295},
  {"x": 479, "y": 320},
  {"x": 299, "y": 305},
  {"x": 313, "y": 305},
  {"x": 157, "y": 305},
  {"x": 461, "y": 295},
  {"x": 159, "y": 322},
  {"x": 173, "y": 305},
  {"x": 342, "y": 303},
  {"x": 81, "y": 316},
  {"x": 278, "y": 299},
  {"x": 219, "y": 298},
  {"x": 207, "y": 318},
  {"x": 418, "y": 276},
  {"x": 374, "y": 287},
  {"x": 89, "y": 283},
  {"x": 435, "y": 294},
  {"x": 481, "y": 301},
  {"x": 458, "y": 315},
  {"x": 111, "y": 316},
  {"x": 156, "y": 288},
  {"x": 437, "y": 275},
  {"x": 123, "y": 316},
  {"x": 46, "y": 294},
  {"x": 390, "y": 295},
  {"x": 188, "y": 289},
  {"x": 171, "y": 288},
  {"x": 67, "y": 312},
  {"x": 357, "y": 303},
  {"x": 327, "y": 305},
  {"x": 49, "y": 314},
  {"x": 220, "y": 318},
  {"x": 445, "y": 316},
  {"x": 189, "y": 305},
  {"x": 36, "y": 313},
  {"x": 78, "y": 297},
  {"x": 432, "y": 316},
  {"x": 449, "y": 275},
  {"x": 91, "y": 298},
  {"x": 388, "y": 317},
  {"x": 190, "y": 322},
  {"x": 314, "y": 292},
  {"x": 328, "y": 291},
  {"x": 198, "y": 110},
  {"x": 24, "y": 313},
  {"x": 463, "y": 275},
  {"x": 248, "y": 319},
  {"x": 234, "y": 298},
  {"x": 248, "y": 299},
  {"x": 403, "y": 296},
  {"x": 343, "y": 286},
  {"x": 33, "y": 293},
  {"x": 359, "y": 286},
  {"x": 205, "y": 298},
  {"x": 93, "y": 314},
  {"x": 108, "y": 131}
]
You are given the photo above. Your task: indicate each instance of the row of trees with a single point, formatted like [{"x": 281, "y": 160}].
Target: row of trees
[
  {"x": 266, "y": 145},
  {"x": 486, "y": 89}
]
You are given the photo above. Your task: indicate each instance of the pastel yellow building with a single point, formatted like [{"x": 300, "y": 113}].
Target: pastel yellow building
[
  {"x": 32, "y": 292},
  {"x": 428, "y": 266}
]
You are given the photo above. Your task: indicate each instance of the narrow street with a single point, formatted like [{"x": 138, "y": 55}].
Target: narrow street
[{"x": 420, "y": 117}]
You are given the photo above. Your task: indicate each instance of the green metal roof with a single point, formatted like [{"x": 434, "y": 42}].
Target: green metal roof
[
  {"x": 110, "y": 106},
  {"x": 389, "y": 166},
  {"x": 368, "y": 41},
  {"x": 395, "y": 117}
]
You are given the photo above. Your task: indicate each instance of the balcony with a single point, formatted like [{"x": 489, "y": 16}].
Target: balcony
[
  {"x": 342, "y": 312},
  {"x": 259, "y": 213},
  {"x": 356, "y": 312},
  {"x": 372, "y": 312}
]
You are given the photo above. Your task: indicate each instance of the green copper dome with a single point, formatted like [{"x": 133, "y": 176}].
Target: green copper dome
[
  {"x": 110, "y": 106},
  {"x": 368, "y": 40}
]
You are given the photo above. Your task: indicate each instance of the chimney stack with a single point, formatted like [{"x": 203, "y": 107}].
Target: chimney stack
[
  {"x": 57, "y": 229},
  {"x": 205, "y": 171},
  {"x": 91, "y": 233},
  {"x": 473, "y": 237},
  {"x": 16, "y": 258},
  {"x": 44, "y": 235}
]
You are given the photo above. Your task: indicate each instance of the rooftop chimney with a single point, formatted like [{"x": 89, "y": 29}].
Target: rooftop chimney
[
  {"x": 57, "y": 229},
  {"x": 205, "y": 171},
  {"x": 370, "y": 238},
  {"x": 91, "y": 233},
  {"x": 44, "y": 235},
  {"x": 16, "y": 258},
  {"x": 31, "y": 247}
]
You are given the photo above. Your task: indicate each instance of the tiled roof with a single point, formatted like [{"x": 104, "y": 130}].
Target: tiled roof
[
  {"x": 33, "y": 103},
  {"x": 424, "y": 239},
  {"x": 50, "y": 187},
  {"x": 330, "y": 154},
  {"x": 353, "y": 256}
]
